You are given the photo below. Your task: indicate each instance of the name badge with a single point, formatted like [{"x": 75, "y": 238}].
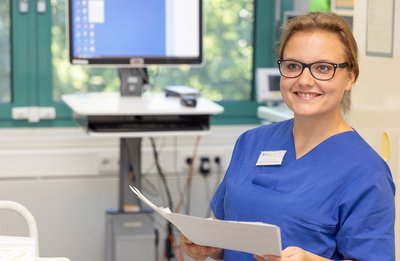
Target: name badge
[{"x": 271, "y": 158}]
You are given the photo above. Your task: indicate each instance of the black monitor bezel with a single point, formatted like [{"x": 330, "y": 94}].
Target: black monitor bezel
[{"x": 136, "y": 61}]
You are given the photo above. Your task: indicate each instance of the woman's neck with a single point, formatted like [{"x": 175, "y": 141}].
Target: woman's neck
[{"x": 308, "y": 132}]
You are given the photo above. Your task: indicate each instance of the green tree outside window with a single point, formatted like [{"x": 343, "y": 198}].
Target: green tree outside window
[{"x": 226, "y": 74}]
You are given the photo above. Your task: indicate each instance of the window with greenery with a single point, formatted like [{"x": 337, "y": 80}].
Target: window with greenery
[
  {"x": 35, "y": 71},
  {"x": 226, "y": 74}
]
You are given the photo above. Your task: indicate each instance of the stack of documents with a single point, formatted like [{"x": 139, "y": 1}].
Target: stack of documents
[{"x": 251, "y": 237}]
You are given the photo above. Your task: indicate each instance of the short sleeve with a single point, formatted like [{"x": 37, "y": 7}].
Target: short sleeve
[{"x": 367, "y": 220}]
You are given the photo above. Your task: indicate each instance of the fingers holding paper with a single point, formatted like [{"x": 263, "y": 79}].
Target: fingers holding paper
[
  {"x": 289, "y": 254},
  {"x": 293, "y": 254},
  {"x": 198, "y": 252}
]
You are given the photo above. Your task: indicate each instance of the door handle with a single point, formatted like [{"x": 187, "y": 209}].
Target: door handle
[
  {"x": 23, "y": 6},
  {"x": 40, "y": 6}
]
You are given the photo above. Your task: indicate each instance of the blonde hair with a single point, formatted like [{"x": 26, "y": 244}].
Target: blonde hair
[{"x": 328, "y": 22}]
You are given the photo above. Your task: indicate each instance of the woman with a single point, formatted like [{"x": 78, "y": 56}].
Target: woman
[{"x": 331, "y": 194}]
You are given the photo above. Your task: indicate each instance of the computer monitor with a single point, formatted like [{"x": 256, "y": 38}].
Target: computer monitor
[
  {"x": 268, "y": 88},
  {"x": 132, "y": 34}
]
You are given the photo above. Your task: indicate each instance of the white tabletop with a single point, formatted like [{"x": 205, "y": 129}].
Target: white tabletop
[{"x": 109, "y": 104}]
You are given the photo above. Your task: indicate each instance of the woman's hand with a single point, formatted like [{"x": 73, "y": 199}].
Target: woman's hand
[
  {"x": 198, "y": 252},
  {"x": 289, "y": 254},
  {"x": 293, "y": 254}
]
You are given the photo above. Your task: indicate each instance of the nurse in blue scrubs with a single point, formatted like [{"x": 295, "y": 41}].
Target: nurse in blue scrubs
[{"x": 314, "y": 176}]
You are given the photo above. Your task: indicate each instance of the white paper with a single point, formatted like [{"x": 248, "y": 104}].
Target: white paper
[{"x": 251, "y": 237}]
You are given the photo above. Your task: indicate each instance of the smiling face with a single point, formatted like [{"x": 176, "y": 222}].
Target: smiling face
[{"x": 305, "y": 95}]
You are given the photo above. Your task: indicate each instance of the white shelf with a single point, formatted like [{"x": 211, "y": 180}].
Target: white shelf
[
  {"x": 112, "y": 104},
  {"x": 152, "y": 114}
]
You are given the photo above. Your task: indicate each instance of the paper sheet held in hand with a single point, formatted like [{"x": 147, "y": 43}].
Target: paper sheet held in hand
[{"x": 251, "y": 237}]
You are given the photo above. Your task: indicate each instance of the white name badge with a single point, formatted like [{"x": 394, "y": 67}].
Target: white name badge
[{"x": 271, "y": 158}]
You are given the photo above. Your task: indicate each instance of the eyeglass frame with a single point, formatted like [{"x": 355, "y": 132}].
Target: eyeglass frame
[{"x": 308, "y": 65}]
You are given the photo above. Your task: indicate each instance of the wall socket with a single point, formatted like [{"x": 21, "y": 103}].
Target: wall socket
[
  {"x": 202, "y": 156},
  {"x": 107, "y": 163}
]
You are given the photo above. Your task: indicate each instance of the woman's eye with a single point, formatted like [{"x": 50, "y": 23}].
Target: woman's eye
[
  {"x": 293, "y": 66},
  {"x": 324, "y": 68}
]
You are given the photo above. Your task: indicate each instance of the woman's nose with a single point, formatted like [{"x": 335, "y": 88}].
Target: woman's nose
[{"x": 306, "y": 77}]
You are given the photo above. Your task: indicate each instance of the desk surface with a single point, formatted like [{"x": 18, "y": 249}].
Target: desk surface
[
  {"x": 151, "y": 114},
  {"x": 112, "y": 104}
]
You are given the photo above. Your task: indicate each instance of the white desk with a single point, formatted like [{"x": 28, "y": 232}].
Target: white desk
[
  {"x": 153, "y": 114},
  {"x": 131, "y": 118}
]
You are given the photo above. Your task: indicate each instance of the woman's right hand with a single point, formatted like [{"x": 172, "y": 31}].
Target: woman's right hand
[{"x": 198, "y": 252}]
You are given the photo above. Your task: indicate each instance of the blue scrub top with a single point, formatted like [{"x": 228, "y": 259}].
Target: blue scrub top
[{"x": 337, "y": 201}]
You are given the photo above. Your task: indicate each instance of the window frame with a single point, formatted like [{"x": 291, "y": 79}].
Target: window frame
[
  {"x": 22, "y": 32},
  {"x": 31, "y": 48}
]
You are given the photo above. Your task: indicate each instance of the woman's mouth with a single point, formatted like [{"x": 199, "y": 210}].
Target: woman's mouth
[{"x": 307, "y": 95}]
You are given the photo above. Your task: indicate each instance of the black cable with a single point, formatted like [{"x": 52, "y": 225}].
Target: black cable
[
  {"x": 156, "y": 242},
  {"x": 147, "y": 184},
  {"x": 168, "y": 245},
  {"x": 161, "y": 174},
  {"x": 189, "y": 177}
]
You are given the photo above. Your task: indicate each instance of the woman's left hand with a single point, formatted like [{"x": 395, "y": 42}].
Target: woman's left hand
[
  {"x": 293, "y": 254},
  {"x": 289, "y": 254}
]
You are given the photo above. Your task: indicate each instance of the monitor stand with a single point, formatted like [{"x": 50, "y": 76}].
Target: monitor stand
[
  {"x": 121, "y": 240},
  {"x": 133, "y": 81}
]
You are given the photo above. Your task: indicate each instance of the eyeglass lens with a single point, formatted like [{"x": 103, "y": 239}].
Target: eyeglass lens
[{"x": 320, "y": 70}]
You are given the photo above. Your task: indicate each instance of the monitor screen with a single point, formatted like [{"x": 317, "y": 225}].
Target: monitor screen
[{"x": 135, "y": 32}]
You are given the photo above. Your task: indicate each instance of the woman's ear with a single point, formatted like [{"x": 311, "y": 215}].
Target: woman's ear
[{"x": 350, "y": 81}]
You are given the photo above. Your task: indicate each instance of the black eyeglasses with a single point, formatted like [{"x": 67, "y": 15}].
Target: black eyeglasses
[{"x": 322, "y": 71}]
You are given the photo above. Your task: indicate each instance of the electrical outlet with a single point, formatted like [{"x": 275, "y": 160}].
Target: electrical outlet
[
  {"x": 217, "y": 160},
  {"x": 107, "y": 163}
]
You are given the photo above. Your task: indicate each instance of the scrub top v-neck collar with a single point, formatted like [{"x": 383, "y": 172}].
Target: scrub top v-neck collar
[{"x": 311, "y": 151}]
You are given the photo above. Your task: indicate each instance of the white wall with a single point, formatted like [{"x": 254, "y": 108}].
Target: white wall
[
  {"x": 55, "y": 173},
  {"x": 376, "y": 97}
]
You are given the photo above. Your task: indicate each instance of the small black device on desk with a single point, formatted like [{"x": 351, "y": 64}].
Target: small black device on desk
[{"x": 187, "y": 95}]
